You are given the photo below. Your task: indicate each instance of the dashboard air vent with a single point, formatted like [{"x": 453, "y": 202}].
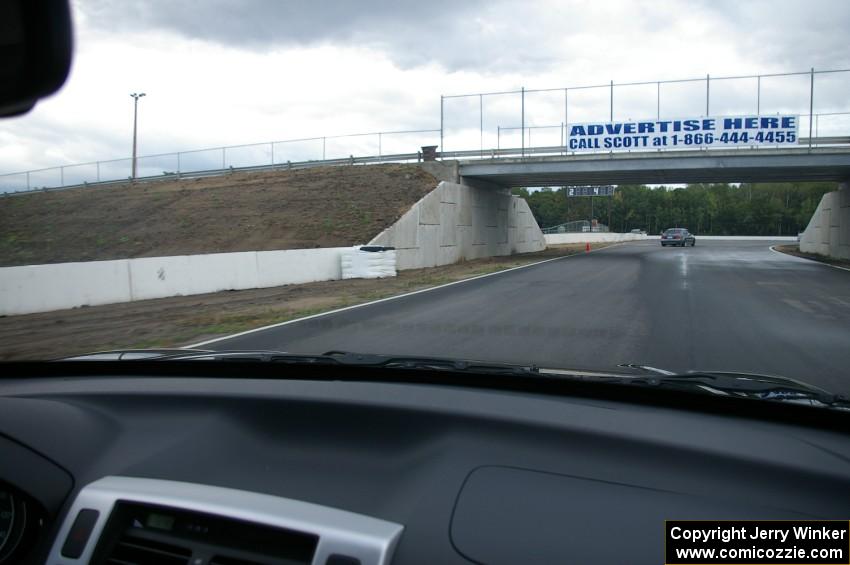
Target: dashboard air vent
[
  {"x": 222, "y": 560},
  {"x": 139, "y": 521},
  {"x": 141, "y": 551},
  {"x": 143, "y": 534}
]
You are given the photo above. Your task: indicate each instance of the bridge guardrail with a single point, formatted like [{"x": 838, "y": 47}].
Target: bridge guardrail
[{"x": 473, "y": 154}]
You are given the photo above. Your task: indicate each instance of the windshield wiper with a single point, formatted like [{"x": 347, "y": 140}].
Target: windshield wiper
[
  {"x": 715, "y": 383},
  {"x": 377, "y": 361},
  {"x": 327, "y": 358},
  {"x": 740, "y": 385}
]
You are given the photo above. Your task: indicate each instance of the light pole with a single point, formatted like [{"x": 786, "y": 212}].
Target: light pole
[{"x": 135, "y": 122}]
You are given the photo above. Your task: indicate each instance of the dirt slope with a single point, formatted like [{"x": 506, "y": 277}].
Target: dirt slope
[{"x": 321, "y": 207}]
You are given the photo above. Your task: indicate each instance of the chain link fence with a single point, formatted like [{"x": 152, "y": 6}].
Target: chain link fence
[
  {"x": 488, "y": 125},
  {"x": 529, "y": 119}
]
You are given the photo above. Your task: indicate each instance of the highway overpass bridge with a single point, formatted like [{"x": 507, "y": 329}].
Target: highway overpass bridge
[
  {"x": 669, "y": 167},
  {"x": 818, "y": 159}
]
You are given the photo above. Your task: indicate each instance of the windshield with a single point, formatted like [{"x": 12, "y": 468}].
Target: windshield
[{"x": 486, "y": 181}]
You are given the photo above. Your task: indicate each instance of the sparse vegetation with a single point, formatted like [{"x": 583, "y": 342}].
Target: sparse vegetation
[{"x": 259, "y": 211}]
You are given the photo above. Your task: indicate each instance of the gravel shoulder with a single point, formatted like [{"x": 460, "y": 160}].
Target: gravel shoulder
[{"x": 794, "y": 249}]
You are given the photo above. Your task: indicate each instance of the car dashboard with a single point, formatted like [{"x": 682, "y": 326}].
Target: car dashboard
[{"x": 345, "y": 471}]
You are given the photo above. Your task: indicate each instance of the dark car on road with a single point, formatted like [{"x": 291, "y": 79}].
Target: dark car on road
[{"x": 677, "y": 236}]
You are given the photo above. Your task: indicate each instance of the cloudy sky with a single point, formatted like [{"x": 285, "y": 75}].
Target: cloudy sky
[{"x": 229, "y": 72}]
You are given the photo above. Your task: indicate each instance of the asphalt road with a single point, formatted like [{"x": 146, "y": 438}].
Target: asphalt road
[{"x": 721, "y": 305}]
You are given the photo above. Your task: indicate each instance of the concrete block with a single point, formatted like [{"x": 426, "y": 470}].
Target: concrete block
[
  {"x": 448, "y": 255},
  {"x": 408, "y": 259},
  {"x": 514, "y": 208},
  {"x": 448, "y": 223},
  {"x": 825, "y": 218},
  {"x": 844, "y": 194},
  {"x": 559, "y": 238},
  {"x": 43, "y": 288},
  {"x": 834, "y": 239},
  {"x": 429, "y": 244},
  {"x": 406, "y": 231},
  {"x": 464, "y": 201},
  {"x": 297, "y": 266},
  {"x": 465, "y": 240},
  {"x": 492, "y": 238},
  {"x": 490, "y": 219},
  {"x": 521, "y": 228},
  {"x": 442, "y": 170},
  {"x": 477, "y": 251},
  {"x": 158, "y": 277},
  {"x": 384, "y": 237},
  {"x": 449, "y": 192},
  {"x": 479, "y": 227},
  {"x": 502, "y": 226},
  {"x": 478, "y": 197},
  {"x": 456, "y": 222},
  {"x": 429, "y": 208}
]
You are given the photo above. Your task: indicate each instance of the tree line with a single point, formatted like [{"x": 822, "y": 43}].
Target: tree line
[{"x": 708, "y": 209}]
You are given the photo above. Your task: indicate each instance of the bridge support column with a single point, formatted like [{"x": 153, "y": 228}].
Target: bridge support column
[
  {"x": 456, "y": 222},
  {"x": 828, "y": 232}
]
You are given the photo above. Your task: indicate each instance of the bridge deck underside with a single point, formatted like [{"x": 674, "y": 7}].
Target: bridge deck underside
[{"x": 635, "y": 168}]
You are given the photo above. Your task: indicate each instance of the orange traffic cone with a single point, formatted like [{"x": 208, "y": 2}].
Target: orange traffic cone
[{"x": 587, "y": 247}]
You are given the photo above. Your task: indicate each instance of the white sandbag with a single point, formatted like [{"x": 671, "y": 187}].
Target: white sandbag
[{"x": 359, "y": 264}]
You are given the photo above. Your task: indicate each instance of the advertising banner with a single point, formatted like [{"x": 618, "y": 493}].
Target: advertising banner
[{"x": 688, "y": 133}]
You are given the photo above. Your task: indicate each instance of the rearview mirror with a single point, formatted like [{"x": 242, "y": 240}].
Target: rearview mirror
[{"x": 35, "y": 51}]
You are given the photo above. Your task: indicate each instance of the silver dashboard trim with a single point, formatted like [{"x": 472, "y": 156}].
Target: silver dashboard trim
[{"x": 368, "y": 539}]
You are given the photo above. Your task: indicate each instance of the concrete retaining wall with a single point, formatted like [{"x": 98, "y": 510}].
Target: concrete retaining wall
[
  {"x": 43, "y": 288},
  {"x": 452, "y": 223},
  {"x": 828, "y": 232},
  {"x": 457, "y": 222},
  {"x": 563, "y": 238},
  {"x": 746, "y": 237},
  {"x": 593, "y": 237}
]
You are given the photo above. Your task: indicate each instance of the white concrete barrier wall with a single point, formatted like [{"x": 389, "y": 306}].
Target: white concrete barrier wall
[
  {"x": 565, "y": 238},
  {"x": 43, "y": 288},
  {"x": 592, "y": 237},
  {"x": 746, "y": 237},
  {"x": 157, "y": 277},
  {"x": 297, "y": 266},
  {"x": 828, "y": 232}
]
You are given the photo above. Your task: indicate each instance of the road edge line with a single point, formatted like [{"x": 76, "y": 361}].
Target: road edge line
[
  {"x": 809, "y": 260},
  {"x": 387, "y": 299}
]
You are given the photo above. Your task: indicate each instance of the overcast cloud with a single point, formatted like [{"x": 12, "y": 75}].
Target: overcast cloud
[
  {"x": 226, "y": 72},
  {"x": 495, "y": 35}
]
